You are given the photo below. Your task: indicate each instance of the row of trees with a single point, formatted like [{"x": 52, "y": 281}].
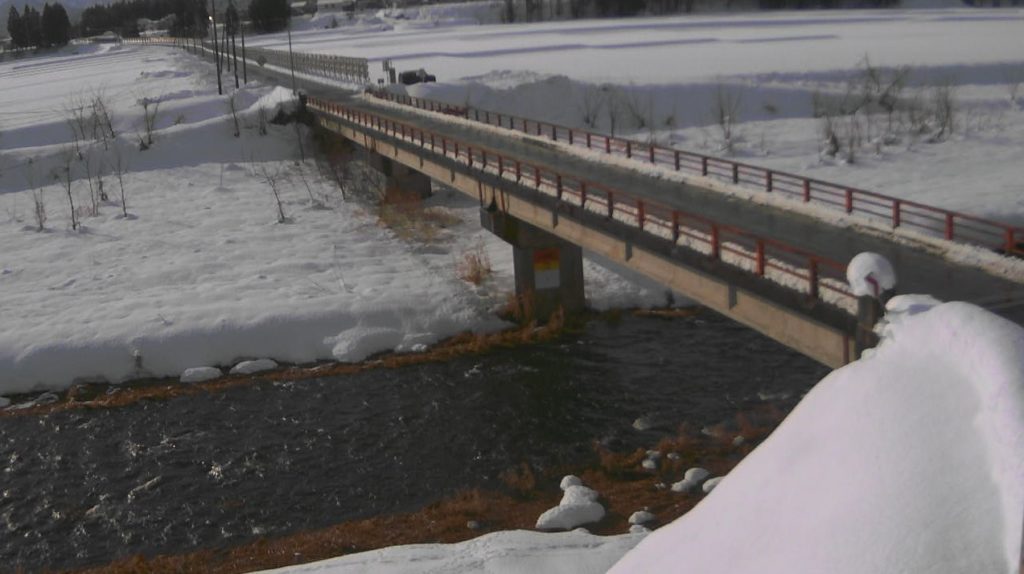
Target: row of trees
[
  {"x": 539, "y": 10},
  {"x": 190, "y": 17},
  {"x": 32, "y": 29}
]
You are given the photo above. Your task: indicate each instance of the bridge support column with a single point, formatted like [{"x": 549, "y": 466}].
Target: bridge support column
[
  {"x": 549, "y": 270},
  {"x": 402, "y": 184}
]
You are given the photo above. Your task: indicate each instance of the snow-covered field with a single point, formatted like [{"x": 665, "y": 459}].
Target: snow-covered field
[
  {"x": 908, "y": 460},
  {"x": 201, "y": 273},
  {"x": 666, "y": 74}
]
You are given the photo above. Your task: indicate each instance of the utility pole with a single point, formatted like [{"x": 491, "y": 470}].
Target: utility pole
[
  {"x": 291, "y": 57},
  {"x": 213, "y": 18},
  {"x": 245, "y": 68},
  {"x": 234, "y": 55}
]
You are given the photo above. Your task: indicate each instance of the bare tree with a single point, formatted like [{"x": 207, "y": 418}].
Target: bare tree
[
  {"x": 944, "y": 110},
  {"x": 120, "y": 168},
  {"x": 77, "y": 115},
  {"x": 63, "y": 174},
  {"x": 592, "y": 101},
  {"x": 102, "y": 118},
  {"x": 38, "y": 198},
  {"x": 272, "y": 178},
  {"x": 150, "y": 109},
  {"x": 725, "y": 109}
]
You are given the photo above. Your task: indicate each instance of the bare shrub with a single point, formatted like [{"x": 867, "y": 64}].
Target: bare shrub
[
  {"x": 102, "y": 119},
  {"x": 39, "y": 209},
  {"x": 638, "y": 108},
  {"x": 63, "y": 174},
  {"x": 474, "y": 266},
  {"x": 77, "y": 116},
  {"x": 944, "y": 111},
  {"x": 725, "y": 109},
  {"x": 613, "y": 106},
  {"x": 150, "y": 110},
  {"x": 592, "y": 101},
  {"x": 272, "y": 177},
  {"x": 38, "y": 198},
  {"x": 120, "y": 168}
]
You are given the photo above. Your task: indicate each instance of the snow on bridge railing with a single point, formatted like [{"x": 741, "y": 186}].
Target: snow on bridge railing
[
  {"x": 893, "y": 211},
  {"x": 818, "y": 277}
]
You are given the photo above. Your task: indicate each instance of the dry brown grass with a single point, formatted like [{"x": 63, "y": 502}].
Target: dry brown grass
[
  {"x": 474, "y": 266},
  {"x": 520, "y": 480}
]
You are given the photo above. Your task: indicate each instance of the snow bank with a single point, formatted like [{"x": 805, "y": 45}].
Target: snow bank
[
  {"x": 909, "y": 460},
  {"x": 511, "y": 552}
]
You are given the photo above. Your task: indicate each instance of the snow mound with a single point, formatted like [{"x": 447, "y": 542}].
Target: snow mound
[
  {"x": 641, "y": 517},
  {"x": 570, "y": 480},
  {"x": 252, "y": 367},
  {"x": 200, "y": 374},
  {"x": 578, "y": 506},
  {"x": 514, "y": 551},
  {"x": 870, "y": 274},
  {"x": 908, "y": 460},
  {"x": 691, "y": 480}
]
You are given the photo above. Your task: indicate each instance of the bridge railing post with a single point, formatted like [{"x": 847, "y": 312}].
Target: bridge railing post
[
  {"x": 768, "y": 183},
  {"x": 1010, "y": 246},
  {"x": 807, "y": 190},
  {"x": 704, "y": 165},
  {"x": 896, "y": 215},
  {"x": 949, "y": 226},
  {"x": 812, "y": 276},
  {"x": 759, "y": 254},
  {"x": 849, "y": 201},
  {"x": 677, "y": 160},
  {"x": 611, "y": 205},
  {"x": 675, "y": 227},
  {"x": 588, "y": 140},
  {"x": 716, "y": 252},
  {"x": 629, "y": 149}
]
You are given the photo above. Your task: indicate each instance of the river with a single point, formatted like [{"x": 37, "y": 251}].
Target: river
[{"x": 85, "y": 487}]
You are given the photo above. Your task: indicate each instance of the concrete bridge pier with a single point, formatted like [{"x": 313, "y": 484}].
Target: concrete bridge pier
[
  {"x": 549, "y": 270},
  {"x": 402, "y": 184}
]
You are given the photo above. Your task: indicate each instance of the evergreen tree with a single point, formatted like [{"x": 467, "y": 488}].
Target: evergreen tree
[
  {"x": 32, "y": 27},
  {"x": 15, "y": 28},
  {"x": 231, "y": 19},
  {"x": 56, "y": 27},
  {"x": 269, "y": 15}
]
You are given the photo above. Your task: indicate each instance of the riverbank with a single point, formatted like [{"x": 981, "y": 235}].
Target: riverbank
[{"x": 620, "y": 477}]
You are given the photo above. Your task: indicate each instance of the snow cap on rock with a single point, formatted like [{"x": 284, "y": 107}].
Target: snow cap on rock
[
  {"x": 251, "y": 367},
  {"x": 570, "y": 480},
  {"x": 200, "y": 374},
  {"x": 641, "y": 517}
]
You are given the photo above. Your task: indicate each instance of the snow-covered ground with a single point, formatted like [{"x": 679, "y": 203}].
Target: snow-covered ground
[
  {"x": 201, "y": 273},
  {"x": 908, "y": 460}
]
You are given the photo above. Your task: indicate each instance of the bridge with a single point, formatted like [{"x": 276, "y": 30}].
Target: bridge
[{"x": 685, "y": 220}]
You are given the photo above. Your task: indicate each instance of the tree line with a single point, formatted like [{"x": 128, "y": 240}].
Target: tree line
[
  {"x": 190, "y": 17},
  {"x": 32, "y": 29}
]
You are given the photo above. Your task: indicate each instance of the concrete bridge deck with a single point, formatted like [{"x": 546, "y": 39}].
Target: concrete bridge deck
[{"x": 920, "y": 269}]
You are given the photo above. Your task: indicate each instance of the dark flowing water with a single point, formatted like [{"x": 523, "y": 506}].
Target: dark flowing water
[{"x": 87, "y": 487}]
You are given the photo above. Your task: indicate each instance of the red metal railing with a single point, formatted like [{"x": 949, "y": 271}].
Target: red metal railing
[
  {"x": 805, "y": 272},
  {"x": 897, "y": 213}
]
